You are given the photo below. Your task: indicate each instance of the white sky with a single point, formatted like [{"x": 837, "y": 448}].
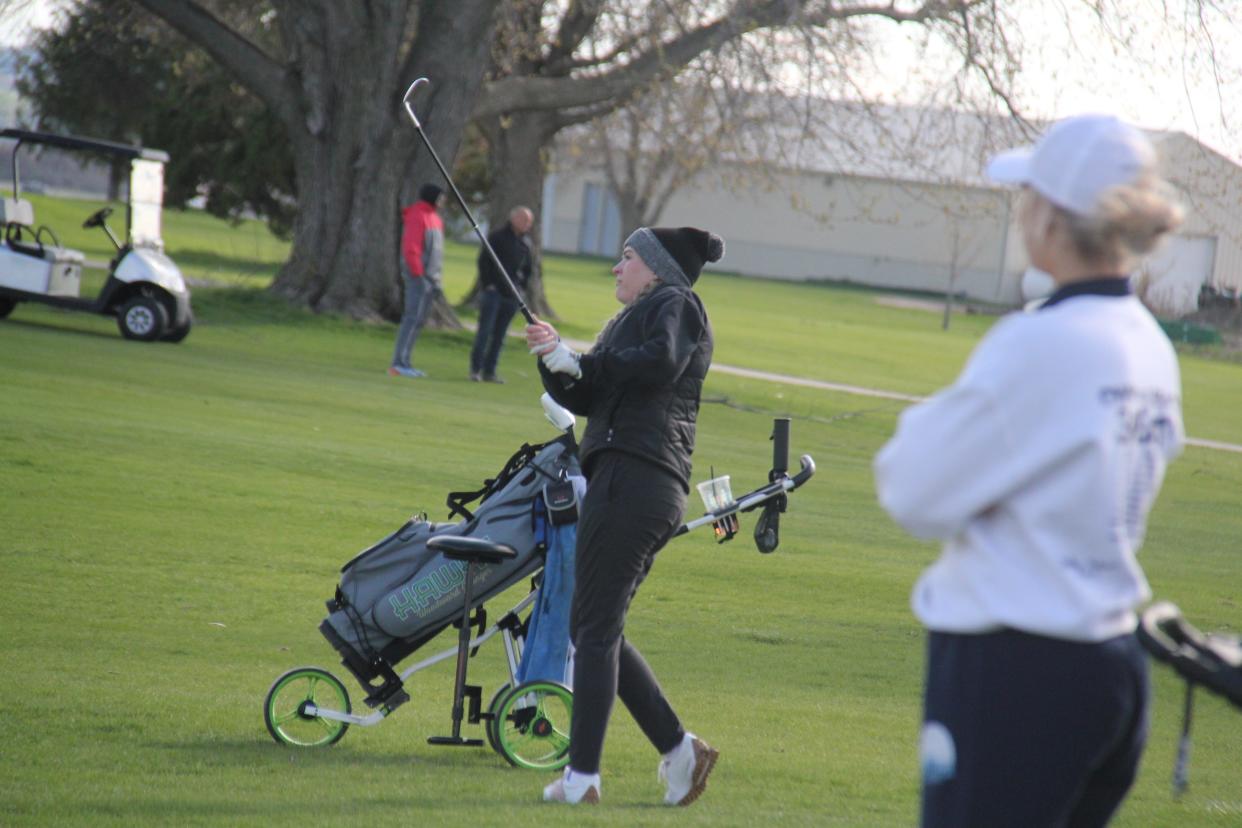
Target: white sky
[
  {"x": 1148, "y": 71},
  {"x": 17, "y": 17},
  {"x": 1162, "y": 78}
]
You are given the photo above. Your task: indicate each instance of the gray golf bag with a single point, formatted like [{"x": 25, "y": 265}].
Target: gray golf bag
[{"x": 399, "y": 594}]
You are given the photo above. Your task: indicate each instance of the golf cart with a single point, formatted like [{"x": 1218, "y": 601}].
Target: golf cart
[{"x": 144, "y": 289}]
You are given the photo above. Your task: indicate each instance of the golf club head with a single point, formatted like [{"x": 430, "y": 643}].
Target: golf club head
[
  {"x": 409, "y": 93},
  {"x": 557, "y": 414},
  {"x": 768, "y": 529}
]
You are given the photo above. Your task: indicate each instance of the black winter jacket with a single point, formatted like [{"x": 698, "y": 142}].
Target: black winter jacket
[
  {"x": 641, "y": 382},
  {"x": 514, "y": 254}
]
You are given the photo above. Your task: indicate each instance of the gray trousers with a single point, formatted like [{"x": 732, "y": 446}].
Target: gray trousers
[{"x": 418, "y": 293}]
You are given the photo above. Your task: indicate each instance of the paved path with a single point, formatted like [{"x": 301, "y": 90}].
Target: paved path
[
  {"x": 768, "y": 376},
  {"x": 1215, "y": 445}
]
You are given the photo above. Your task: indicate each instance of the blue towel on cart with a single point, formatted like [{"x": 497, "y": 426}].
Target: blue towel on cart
[{"x": 546, "y": 651}]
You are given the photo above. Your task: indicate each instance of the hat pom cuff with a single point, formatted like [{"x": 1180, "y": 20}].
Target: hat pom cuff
[{"x": 715, "y": 248}]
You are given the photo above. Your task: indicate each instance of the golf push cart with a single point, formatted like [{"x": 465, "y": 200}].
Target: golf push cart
[
  {"x": 144, "y": 289},
  {"x": 401, "y": 593}
]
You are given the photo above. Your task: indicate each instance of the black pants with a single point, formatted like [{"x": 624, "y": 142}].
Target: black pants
[
  {"x": 631, "y": 509},
  {"x": 1023, "y": 730},
  {"x": 496, "y": 311}
]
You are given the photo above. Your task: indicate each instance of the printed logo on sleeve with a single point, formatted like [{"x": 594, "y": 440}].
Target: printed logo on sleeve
[{"x": 1145, "y": 434}]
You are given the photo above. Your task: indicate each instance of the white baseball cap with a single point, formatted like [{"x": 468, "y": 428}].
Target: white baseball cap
[{"x": 1077, "y": 160}]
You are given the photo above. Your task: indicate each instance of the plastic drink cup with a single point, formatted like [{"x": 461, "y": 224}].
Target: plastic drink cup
[{"x": 716, "y": 493}]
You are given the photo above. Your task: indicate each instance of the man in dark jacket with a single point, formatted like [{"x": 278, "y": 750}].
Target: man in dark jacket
[{"x": 497, "y": 304}]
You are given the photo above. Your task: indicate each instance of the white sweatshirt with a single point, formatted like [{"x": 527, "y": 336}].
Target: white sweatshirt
[{"x": 1038, "y": 467}]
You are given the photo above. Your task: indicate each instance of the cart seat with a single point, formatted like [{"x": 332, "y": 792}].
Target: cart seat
[
  {"x": 16, "y": 211},
  {"x": 17, "y": 219},
  {"x": 459, "y": 548}
]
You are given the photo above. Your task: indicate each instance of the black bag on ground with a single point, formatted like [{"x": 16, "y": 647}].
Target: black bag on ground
[{"x": 1211, "y": 660}]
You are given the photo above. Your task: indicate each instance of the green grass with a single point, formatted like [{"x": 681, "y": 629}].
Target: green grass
[
  {"x": 175, "y": 516},
  {"x": 206, "y": 249}
]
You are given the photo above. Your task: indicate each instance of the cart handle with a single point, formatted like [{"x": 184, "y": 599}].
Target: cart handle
[{"x": 755, "y": 499}]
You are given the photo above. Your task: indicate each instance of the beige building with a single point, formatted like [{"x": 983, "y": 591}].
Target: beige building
[
  {"x": 1207, "y": 249},
  {"x": 874, "y": 215}
]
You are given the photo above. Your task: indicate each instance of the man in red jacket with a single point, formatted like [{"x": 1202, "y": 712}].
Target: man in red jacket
[{"x": 422, "y": 260}]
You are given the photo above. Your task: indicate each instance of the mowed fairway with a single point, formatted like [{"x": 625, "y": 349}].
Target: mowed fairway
[{"x": 174, "y": 517}]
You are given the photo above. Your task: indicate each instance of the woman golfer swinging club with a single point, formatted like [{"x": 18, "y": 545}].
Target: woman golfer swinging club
[
  {"x": 639, "y": 389},
  {"x": 1037, "y": 468}
]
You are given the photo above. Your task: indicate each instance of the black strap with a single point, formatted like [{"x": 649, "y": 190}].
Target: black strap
[{"x": 456, "y": 501}]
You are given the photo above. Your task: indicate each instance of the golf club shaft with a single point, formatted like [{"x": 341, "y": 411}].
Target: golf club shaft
[{"x": 409, "y": 107}]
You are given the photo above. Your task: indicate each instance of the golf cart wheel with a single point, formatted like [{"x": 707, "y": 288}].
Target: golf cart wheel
[
  {"x": 532, "y": 725},
  {"x": 143, "y": 318},
  {"x": 6, "y": 306},
  {"x": 178, "y": 332},
  {"x": 489, "y": 725},
  {"x": 285, "y": 714}
]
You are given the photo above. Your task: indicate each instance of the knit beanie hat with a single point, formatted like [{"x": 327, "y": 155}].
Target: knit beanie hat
[
  {"x": 676, "y": 254},
  {"x": 429, "y": 193}
]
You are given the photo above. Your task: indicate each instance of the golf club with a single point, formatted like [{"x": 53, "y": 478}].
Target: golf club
[{"x": 409, "y": 107}]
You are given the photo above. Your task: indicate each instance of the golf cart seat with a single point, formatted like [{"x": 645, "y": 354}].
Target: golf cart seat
[
  {"x": 17, "y": 215},
  {"x": 17, "y": 211}
]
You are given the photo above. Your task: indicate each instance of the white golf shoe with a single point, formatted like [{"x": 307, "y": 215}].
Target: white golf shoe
[
  {"x": 685, "y": 768},
  {"x": 573, "y": 788}
]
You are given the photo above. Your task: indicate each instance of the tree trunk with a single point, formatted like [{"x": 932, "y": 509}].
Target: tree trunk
[
  {"x": 631, "y": 215},
  {"x": 519, "y": 156},
  {"x": 953, "y": 265},
  {"x": 357, "y": 157},
  {"x": 371, "y": 161},
  {"x": 345, "y": 240}
]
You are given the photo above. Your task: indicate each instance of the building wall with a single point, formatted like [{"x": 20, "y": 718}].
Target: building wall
[
  {"x": 890, "y": 233},
  {"x": 815, "y": 227},
  {"x": 1210, "y": 186}
]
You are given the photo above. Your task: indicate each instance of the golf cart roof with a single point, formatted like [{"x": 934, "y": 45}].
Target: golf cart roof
[{"x": 73, "y": 142}]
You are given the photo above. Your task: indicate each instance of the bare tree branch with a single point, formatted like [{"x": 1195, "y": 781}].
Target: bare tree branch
[
  {"x": 566, "y": 90},
  {"x": 243, "y": 58},
  {"x": 576, "y": 25}
]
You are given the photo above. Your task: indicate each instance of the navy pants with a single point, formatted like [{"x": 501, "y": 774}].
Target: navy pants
[
  {"x": 1024, "y": 730},
  {"x": 631, "y": 509},
  {"x": 496, "y": 311}
]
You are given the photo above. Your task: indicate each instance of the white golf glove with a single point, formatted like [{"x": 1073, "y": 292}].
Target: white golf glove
[{"x": 563, "y": 360}]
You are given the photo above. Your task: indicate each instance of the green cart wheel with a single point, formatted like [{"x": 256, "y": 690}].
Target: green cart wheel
[
  {"x": 285, "y": 714},
  {"x": 489, "y": 725},
  {"x": 532, "y": 725}
]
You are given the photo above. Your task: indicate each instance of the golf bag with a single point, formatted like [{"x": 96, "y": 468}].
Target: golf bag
[
  {"x": 398, "y": 594},
  {"x": 1210, "y": 660}
]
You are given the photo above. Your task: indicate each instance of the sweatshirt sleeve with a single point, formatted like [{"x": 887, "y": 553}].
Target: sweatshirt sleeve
[
  {"x": 431, "y": 254},
  {"x": 967, "y": 449},
  {"x": 412, "y": 241},
  {"x": 484, "y": 265},
  {"x": 525, "y": 264},
  {"x": 945, "y": 464}
]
